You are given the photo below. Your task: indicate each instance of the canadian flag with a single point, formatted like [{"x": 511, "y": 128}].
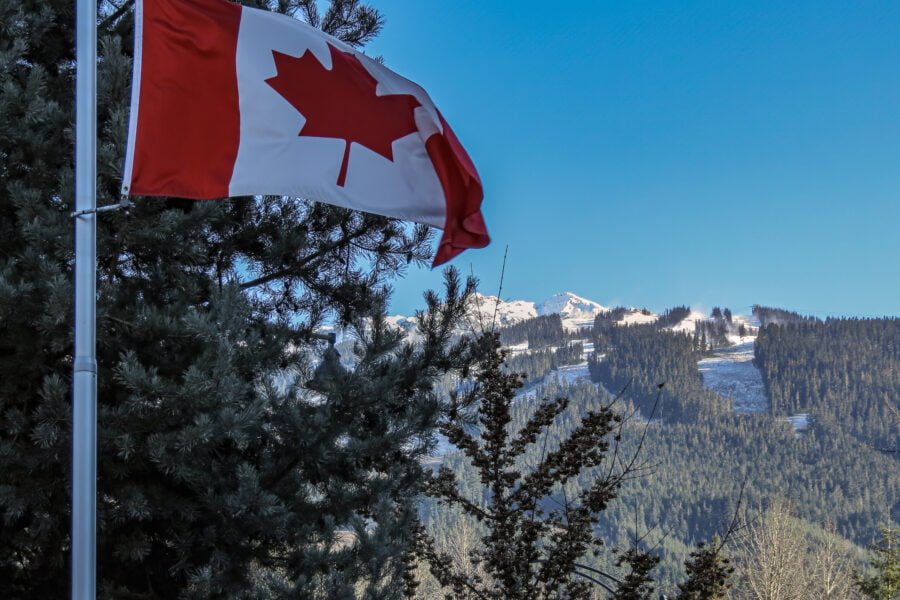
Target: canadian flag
[{"x": 233, "y": 101}]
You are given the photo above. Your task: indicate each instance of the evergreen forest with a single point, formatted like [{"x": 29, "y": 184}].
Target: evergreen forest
[{"x": 837, "y": 477}]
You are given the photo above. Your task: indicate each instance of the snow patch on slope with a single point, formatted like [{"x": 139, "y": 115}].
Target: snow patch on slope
[
  {"x": 636, "y": 316},
  {"x": 730, "y": 372},
  {"x": 572, "y": 373},
  {"x": 800, "y": 422},
  {"x": 689, "y": 323}
]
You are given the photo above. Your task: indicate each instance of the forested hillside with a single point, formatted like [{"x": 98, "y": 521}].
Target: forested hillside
[
  {"x": 846, "y": 372},
  {"x": 697, "y": 451}
]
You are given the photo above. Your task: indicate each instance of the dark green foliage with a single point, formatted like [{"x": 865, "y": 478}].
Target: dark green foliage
[
  {"x": 768, "y": 315},
  {"x": 713, "y": 333},
  {"x": 673, "y": 316},
  {"x": 829, "y": 473},
  {"x": 845, "y": 372},
  {"x": 637, "y": 584},
  {"x": 835, "y": 471},
  {"x": 535, "y": 365},
  {"x": 568, "y": 355},
  {"x": 708, "y": 573},
  {"x": 615, "y": 315},
  {"x": 351, "y": 21},
  {"x": 640, "y": 357},
  {"x": 539, "y": 332},
  {"x": 709, "y": 335},
  {"x": 533, "y": 543},
  {"x": 884, "y": 582},
  {"x": 546, "y": 479},
  {"x": 221, "y": 472}
]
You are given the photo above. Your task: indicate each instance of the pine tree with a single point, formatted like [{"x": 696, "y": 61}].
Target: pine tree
[
  {"x": 707, "y": 572},
  {"x": 638, "y": 582},
  {"x": 229, "y": 464},
  {"x": 539, "y": 539},
  {"x": 884, "y": 583},
  {"x": 535, "y": 544}
]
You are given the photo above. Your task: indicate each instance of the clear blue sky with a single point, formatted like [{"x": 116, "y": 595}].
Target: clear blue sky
[{"x": 662, "y": 153}]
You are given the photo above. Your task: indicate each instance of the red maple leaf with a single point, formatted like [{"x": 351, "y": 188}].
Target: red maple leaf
[{"x": 342, "y": 103}]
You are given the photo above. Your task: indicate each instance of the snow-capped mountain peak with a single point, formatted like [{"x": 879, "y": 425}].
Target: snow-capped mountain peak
[
  {"x": 406, "y": 324},
  {"x": 574, "y": 310},
  {"x": 491, "y": 308}
]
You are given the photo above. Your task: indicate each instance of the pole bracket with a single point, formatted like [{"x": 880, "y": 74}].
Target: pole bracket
[
  {"x": 124, "y": 204},
  {"x": 85, "y": 364}
]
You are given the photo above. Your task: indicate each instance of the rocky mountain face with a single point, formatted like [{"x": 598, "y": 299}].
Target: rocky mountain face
[{"x": 576, "y": 312}]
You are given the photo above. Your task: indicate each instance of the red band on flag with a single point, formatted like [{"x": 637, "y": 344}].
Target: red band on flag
[
  {"x": 465, "y": 227},
  {"x": 189, "y": 119}
]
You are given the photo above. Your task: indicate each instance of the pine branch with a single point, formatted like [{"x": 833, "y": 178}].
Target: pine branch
[
  {"x": 121, "y": 10},
  {"x": 307, "y": 260}
]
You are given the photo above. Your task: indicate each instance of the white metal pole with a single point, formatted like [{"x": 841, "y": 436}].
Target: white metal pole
[{"x": 84, "y": 394}]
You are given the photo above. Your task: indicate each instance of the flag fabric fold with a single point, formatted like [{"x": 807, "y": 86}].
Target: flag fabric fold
[{"x": 234, "y": 101}]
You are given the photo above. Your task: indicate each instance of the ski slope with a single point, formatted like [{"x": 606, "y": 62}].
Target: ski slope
[{"x": 731, "y": 373}]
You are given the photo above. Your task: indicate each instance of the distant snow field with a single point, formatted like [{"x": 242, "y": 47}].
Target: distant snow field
[
  {"x": 572, "y": 373},
  {"x": 731, "y": 373},
  {"x": 800, "y": 422}
]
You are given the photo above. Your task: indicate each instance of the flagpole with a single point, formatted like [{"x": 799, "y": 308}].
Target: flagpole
[{"x": 84, "y": 381}]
